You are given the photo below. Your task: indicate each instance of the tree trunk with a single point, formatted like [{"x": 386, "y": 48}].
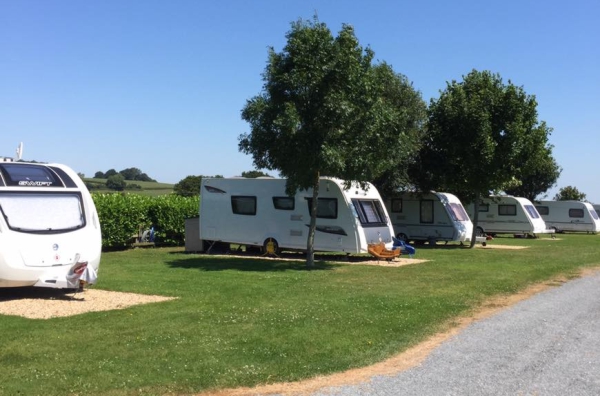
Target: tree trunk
[
  {"x": 475, "y": 220},
  {"x": 310, "y": 243}
]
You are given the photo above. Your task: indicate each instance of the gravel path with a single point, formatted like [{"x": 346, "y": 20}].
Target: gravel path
[{"x": 546, "y": 345}]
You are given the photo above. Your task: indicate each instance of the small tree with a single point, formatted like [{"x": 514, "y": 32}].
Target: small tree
[
  {"x": 326, "y": 110},
  {"x": 116, "y": 182},
  {"x": 569, "y": 193},
  {"x": 99, "y": 175},
  {"x": 188, "y": 186},
  {"x": 110, "y": 172}
]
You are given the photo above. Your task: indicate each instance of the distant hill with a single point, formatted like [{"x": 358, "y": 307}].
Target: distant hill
[{"x": 147, "y": 188}]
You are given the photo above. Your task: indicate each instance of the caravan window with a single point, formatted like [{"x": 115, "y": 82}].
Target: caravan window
[
  {"x": 397, "y": 205},
  {"x": 326, "y": 207},
  {"x": 543, "y": 210},
  {"x": 507, "y": 210},
  {"x": 284, "y": 203},
  {"x": 427, "y": 211},
  {"x": 243, "y": 205},
  {"x": 42, "y": 213},
  {"x": 532, "y": 212},
  {"x": 594, "y": 214},
  {"x": 370, "y": 212},
  {"x": 34, "y": 175},
  {"x": 484, "y": 207},
  {"x": 457, "y": 212},
  {"x": 576, "y": 213}
]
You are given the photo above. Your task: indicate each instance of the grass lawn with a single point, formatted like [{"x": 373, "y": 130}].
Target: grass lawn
[{"x": 243, "y": 322}]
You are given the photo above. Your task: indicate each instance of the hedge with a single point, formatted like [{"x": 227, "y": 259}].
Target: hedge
[{"x": 122, "y": 215}]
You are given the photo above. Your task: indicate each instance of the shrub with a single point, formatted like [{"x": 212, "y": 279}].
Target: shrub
[{"x": 122, "y": 215}]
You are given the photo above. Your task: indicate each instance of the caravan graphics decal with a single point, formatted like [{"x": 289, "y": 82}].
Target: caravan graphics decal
[{"x": 32, "y": 183}]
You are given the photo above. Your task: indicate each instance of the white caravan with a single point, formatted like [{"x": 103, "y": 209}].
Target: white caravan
[
  {"x": 49, "y": 229},
  {"x": 256, "y": 212},
  {"x": 505, "y": 214},
  {"x": 569, "y": 215},
  {"x": 430, "y": 217}
]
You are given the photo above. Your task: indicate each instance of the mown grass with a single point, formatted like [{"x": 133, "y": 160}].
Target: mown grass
[{"x": 242, "y": 322}]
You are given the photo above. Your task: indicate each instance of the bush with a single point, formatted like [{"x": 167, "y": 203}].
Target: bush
[
  {"x": 122, "y": 215},
  {"x": 168, "y": 214}
]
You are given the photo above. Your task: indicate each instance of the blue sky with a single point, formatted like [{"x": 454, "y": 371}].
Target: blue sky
[{"x": 159, "y": 85}]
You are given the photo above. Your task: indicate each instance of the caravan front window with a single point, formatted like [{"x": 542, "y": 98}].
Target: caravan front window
[
  {"x": 41, "y": 213},
  {"x": 370, "y": 212},
  {"x": 594, "y": 214},
  {"x": 532, "y": 212},
  {"x": 458, "y": 212}
]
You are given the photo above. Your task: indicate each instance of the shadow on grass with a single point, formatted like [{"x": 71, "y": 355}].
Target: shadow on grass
[{"x": 250, "y": 263}]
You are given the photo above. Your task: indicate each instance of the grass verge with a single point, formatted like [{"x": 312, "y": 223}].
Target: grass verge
[{"x": 243, "y": 322}]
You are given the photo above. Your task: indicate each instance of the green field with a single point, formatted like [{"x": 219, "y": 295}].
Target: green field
[
  {"x": 147, "y": 188},
  {"x": 243, "y": 321}
]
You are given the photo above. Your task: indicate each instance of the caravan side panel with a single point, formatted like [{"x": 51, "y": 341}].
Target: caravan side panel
[
  {"x": 569, "y": 215},
  {"x": 429, "y": 216},
  {"x": 252, "y": 211},
  {"x": 508, "y": 215}
]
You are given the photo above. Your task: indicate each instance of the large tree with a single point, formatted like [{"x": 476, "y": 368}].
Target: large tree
[
  {"x": 480, "y": 130},
  {"x": 538, "y": 174},
  {"x": 569, "y": 193},
  {"x": 327, "y": 110}
]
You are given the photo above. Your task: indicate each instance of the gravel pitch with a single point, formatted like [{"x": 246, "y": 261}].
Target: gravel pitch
[
  {"x": 41, "y": 303},
  {"x": 546, "y": 345}
]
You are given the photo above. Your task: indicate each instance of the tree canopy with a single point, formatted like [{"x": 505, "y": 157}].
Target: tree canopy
[
  {"x": 128, "y": 174},
  {"x": 569, "y": 193},
  {"x": 189, "y": 186},
  {"x": 480, "y": 133},
  {"x": 116, "y": 182},
  {"x": 327, "y": 110},
  {"x": 254, "y": 174},
  {"x": 538, "y": 174}
]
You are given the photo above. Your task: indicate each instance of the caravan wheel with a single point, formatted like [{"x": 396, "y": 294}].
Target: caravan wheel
[
  {"x": 402, "y": 237},
  {"x": 479, "y": 232},
  {"x": 270, "y": 246}
]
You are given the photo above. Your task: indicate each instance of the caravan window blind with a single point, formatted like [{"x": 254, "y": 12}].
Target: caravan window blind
[
  {"x": 577, "y": 213},
  {"x": 370, "y": 212},
  {"x": 243, "y": 205},
  {"x": 507, "y": 210},
  {"x": 326, "y": 207},
  {"x": 532, "y": 212}
]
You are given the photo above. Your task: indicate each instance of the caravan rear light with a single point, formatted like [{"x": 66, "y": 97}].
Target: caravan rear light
[{"x": 80, "y": 267}]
